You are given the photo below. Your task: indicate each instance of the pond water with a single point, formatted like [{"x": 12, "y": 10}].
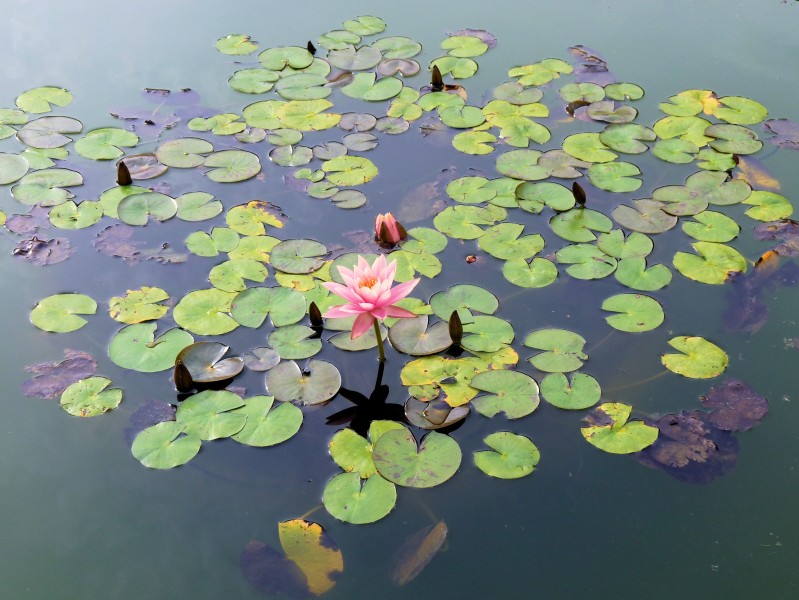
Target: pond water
[{"x": 84, "y": 518}]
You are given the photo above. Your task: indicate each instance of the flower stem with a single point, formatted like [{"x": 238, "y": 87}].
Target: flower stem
[{"x": 381, "y": 352}]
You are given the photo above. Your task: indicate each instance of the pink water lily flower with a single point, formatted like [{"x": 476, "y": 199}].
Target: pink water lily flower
[
  {"x": 369, "y": 294},
  {"x": 389, "y": 231}
]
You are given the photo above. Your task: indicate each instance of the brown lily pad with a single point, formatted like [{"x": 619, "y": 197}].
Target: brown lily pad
[
  {"x": 735, "y": 406},
  {"x": 52, "y": 378}
]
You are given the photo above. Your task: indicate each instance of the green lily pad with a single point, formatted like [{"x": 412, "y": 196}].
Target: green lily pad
[
  {"x": 586, "y": 261},
  {"x": 538, "y": 273},
  {"x": 768, "y": 206},
  {"x": 533, "y": 197},
  {"x": 711, "y": 226},
  {"x": 590, "y": 92},
  {"x": 205, "y": 312},
  {"x": 607, "y": 111},
  {"x": 412, "y": 336},
  {"x": 511, "y": 392},
  {"x": 265, "y": 114},
  {"x": 701, "y": 189},
  {"x": 588, "y": 147},
  {"x": 136, "y": 209},
  {"x": 470, "y": 190},
  {"x": 59, "y": 313},
  {"x": 740, "y": 111},
  {"x": 634, "y": 273},
  {"x": 464, "y": 299},
  {"x": 338, "y": 39},
  {"x": 522, "y": 164},
  {"x": 48, "y": 132},
  {"x": 636, "y": 312},
  {"x": 579, "y": 224},
  {"x": 624, "y": 91},
  {"x": 503, "y": 242},
  {"x": 616, "y": 245},
  {"x": 648, "y": 216},
  {"x": 294, "y": 342},
  {"x": 236, "y": 44},
  {"x": 699, "y": 359},
  {"x": 562, "y": 350},
  {"x": 710, "y": 160},
  {"x": 40, "y": 158},
  {"x": 221, "y": 239},
  {"x": 46, "y": 187},
  {"x": 283, "y": 305},
  {"x": 516, "y": 93},
  {"x": 298, "y": 256},
  {"x": 397, "y": 47},
  {"x": 349, "y": 499},
  {"x": 461, "y": 117},
  {"x": 675, "y": 150},
  {"x": 353, "y": 453},
  {"x": 459, "y": 68},
  {"x": 165, "y": 445},
  {"x": 615, "y": 176},
  {"x": 355, "y": 59},
  {"x": 230, "y": 275},
  {"x": 512, "y": 456},
  {"x": 277, "y": 59},
  {"x": 253, "y": 81},
  {"x": 229, "y": 166},
  {"x": 689, "y": 103},
  {"x": 365, "y": 25},
  {"x": 303, "y": 86},
  {"x": 691, "y": 129},
  {"x": 197, "y": 206},
  {"x": 221, "y": 124},
  {"x": 12, "y": 167},
  {"x": 89, "y": 398},
  {"x": 105, "y": 143},
  {"x": 733, "y": 139},
  {"x": 135, "y": 347},
  {"x": 267, "y": 425},
  {"x": 424, "y": 239},
  {"x": 366, "y": 87},
  {"x": 464, "y": 46},
  {"x": 715, "y": 263},
  {"x": 486, "y": 334},
  {"x": 463, "y": 222},
  {"x": 205, "y": 364},
  {"x": 627, "y": 138},
  {"x": 398, "y": 459},
  {"x": 41, "y": 99},
  {"x": 541, "y": 72},
  {"x": 138, "y": 305},
  {"x": 610, "y": 430},
  {"x": 184, "y": 153},
  {"x": 318, "y": 383},
  {"x": 581, "y": 392},
  {"x": 211, "y": 414},
  {"x": 76, "y": 216},
  {"x": 349, "y": 170}
]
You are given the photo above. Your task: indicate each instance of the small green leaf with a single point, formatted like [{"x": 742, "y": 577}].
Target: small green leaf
[{"x": 512, "y": 456}]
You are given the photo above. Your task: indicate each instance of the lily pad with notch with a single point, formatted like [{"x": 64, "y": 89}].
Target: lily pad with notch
[
  {"x": 414, "y": 337},
  {"x": 610, "y": 429},
  {"x": 294, "y": 342},
  {"x": 648, "y": 216},
  {"x": 352, "y": 500},
  {"x": 284, "y": 306},
  {"x": 205, "y": 363},
  {"x": 319, "y": 382},
  {"x": 636, "y": 312},
  {"x": 267, "y": 425},
  {"x": 60, "y": 313},
  {"x": 298, "y": 256},
  {"x": 165, "y": 445},
  {"x": 562, "y": 350},
  {"x": 511, "y": 456},
  {"x": 230, "y": 166},
  {"x": 89, "y": 397},
  {"x": 48, "y": 132},
  {"x": 211, "y": 414},
  {"x": 137, "y": 348},
  {"x": 206, "y": 312},
  {"x": 509, "y": 392},
  {"x": 105, "y": 143},
  {"x": 435, "y": 414},
  {"x": 583, "y": 391},
  {"x": 699, "y": 358},
  {"x": 714, "y": 264},
  {"x": 399, "y": 460}
]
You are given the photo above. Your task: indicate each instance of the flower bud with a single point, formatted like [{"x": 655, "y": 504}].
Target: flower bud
[{"x": 388, "y": 231}]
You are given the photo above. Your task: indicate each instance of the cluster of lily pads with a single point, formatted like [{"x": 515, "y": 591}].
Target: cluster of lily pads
[{"x": 448, "y": 376}]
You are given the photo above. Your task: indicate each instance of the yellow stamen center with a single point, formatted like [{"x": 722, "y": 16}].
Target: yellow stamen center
[{"x": 367, "y": 282}]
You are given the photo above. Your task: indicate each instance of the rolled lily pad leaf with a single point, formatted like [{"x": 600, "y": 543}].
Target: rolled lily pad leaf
[
  {"x": 588, "y": 147},
  {"x": 435, "y": 414},
  {"x": 59, "y": 313},
  {"x": 236, "y": 44},
  {"x": 277, "y": 59},
  {"x": 512, "y": 456},
  {"x": 503, "y": 242},
  {"x": 615, "y": 176},
  {"x": 700, "y": 359},
  {"x": 138, "y": 305},
  {"x": 579, "y": 224},
  {"x": 165, "y": 445},
  {"x": 260, "y": 359},
  {"x": 711, "y": 226},
  {"x": 136, "y": 347},
  {"x": 298, "y": 256},
  {"x": 648, "y": 216},
  {"x": 398, "y": 459},
  {"x": 317, "y": 556},
  {"x": 45, "y": 187},
  {"x": 350, "y": 500},
  {"x": 229, "y": 166},
  {"x": 253, "y": 81},
  {"x": 267, "y": 425},
  {"x": 211, "y": 414},
  {"x": 533, "y": 197},
  {"x": 733, "y": 139},
  {"x": 610, "y": 430},
  {"x": 734, "y": 406},
  {"x": 511, "y": 392},
  {"x": 318, "y": 383},
  {"x": 205, "y": 312},
  {"x": 397, "y": 47},
  {"x": 202, "y": 359},
  {"x": 627, "y": 138},
  {"x": 675, "y": 150},
  {"x": 294, "y": 342},
  {"x": 283, "y": 305},
  {"x": 691, "y": 129},
  {"x": 768, "y": 206},
  {"x": 463, "y": 298},
  {"x": 740, "y": 111},
  {"x": 538, "y": 273},
  {"x": 634, "y": 273},
  {"x": 412, "y": 336},
  {"x": 76, "y": 216},
  {"x": 715, "y": 263},
  {"x": 366, "y": 87},
  {"x": 40, "y": 99},
  {"x": 581, "y": 392},
  {"x": 183, "y": 153},
  {"x": 136, "y": 209},
  {"x": 89, "y": 398},
  {"x": 12, "y": 167},
  {"x": 636, "y": 312},
  {"x": 459, "y": 68},
  {"x": 48, "y": 132},
  {"x": 562, "y": 350},
  {"x": 355, "y": 59},
  {"x": 197, "y": 206},
  {"x": 105, "y": 143},
  {"x": 586, "y": 261},
  {"x": 417, "y": 551}
]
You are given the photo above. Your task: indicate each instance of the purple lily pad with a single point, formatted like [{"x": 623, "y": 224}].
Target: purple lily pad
[
  {"x": 52, "y": 378},
  {"x": 786, "y": 133},
  {"x": 735, "y": 406},
  {"x": 145, "y": 121},
  {"x": 489, "y": 39},
  {"x": 270, "y": 572},
  {"x": 44, "y": 252},
  {"x": 146, "y": 415},
  {"x": 117, "y": 241},
  {"x": 37, "y": 219}
]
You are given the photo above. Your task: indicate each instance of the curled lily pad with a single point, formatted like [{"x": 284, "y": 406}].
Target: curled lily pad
[
  {"x": 136, "y": 347},
  {"x": 610, "y": 430},
  {"x": 399, "y": 460},
  {"x": 202, "y": 359},
  {"x": 435, "y": 414},
  {"x": 562, "y": 350},
  {"x": 512, "y": 456},
  {"x": 211, "y": 414},
  {"x": 317, "y": 383},
  {"x": 581, "y": 392},
  {"x": 89, "y": 398},
  {"x": 734, "y": 406},
  {"x": 59, "y": 313},
  {"x": 165, "y": 445},
  {"x": 352, "y": 500},
  {"x": 511, "y": 392},
  {"x": 700, "y": 359}
]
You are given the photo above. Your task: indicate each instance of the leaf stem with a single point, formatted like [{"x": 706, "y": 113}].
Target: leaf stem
[{"x": 381, "y": 352}]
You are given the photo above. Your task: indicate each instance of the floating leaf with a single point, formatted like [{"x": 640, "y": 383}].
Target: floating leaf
[
  {"x": 533, "y": 197},
  {"x": 284, "y": 306},
  {"x": 40, "y": 99},
  {"x": 503, "y": 242},
  {"x": 740, "y": 111},
  {"x": 582, "y": 392},
  {"x": 104, "y": 144},
  {"x": 89, "y": 398},
  {"x": 610, "y": 430},
  {"x": 711, "y": 226},
  {"x": 541, "y": 72},
  {"x": 298, "y": 256},
  {"x": 464, "y": 46},
  {"x": 768, "y": 206},
  {"x": 511, "y": 392},
  {"x": 48, "y": 132},
  {"x": 606, "y": 110},
  {"x": 229, "y": 166},
  {"x": 463, "y": 298},
  {"x": 205, "y": 312},
  {"x": 588, "y": 147},
  {"x": 586, "y": 261},
  {"x": 733, "y": 139},
  {"x": 260, "y": 359},
  {"x": 205, "y": 364},
  {"x": 648, "y": 216},
  {"x": 627, "y": 138},
  {"x": 715, "y": 263},
  {"x": 45, "y": 187},
  {"x": 615, "y": 176},
  {"x": 540, "y": 272},
  {"x": 307, "y": 545},
  {"x": 165, "y": 445},
  {"x": 562, "y": 350},
  {"x": 412, "y": 336},
  {"x": 365, "y": 87},
  {"x": 12, "y": 168},
  {"x": 636, "y": 312},
  {"x": 579, "y": 224},
  {"x": 253, "y": 81},
  {"x": 183, "y": 152},
  {"x": 138, "y": 305},
  {"x": 197, "y": 206},
  {"x": 267, "y": 426},
  {"x": 734, "y": 406},
  {"x": 700, "y": 359},
  {"x": 277, "y": 59},
  {"x": 318, "y": 383},
  {"x": 463, "y": 222},
  {"x": 76, "y": 216},
  {"x": 634, "y": 273},
  {"x": 398, "y": 459},
  {"x": 136, "y": 347},
  {"x": 350, "y": 500},
  {"x": 513, "y": 456},
  {"x": 690, "y": 129},
  {"x": 675, "y": 150},
  {"x": 59, "y": 313},
  {"x": 236, "y": 45},
  {"x": 211, "y": 414},
  {"x": 459, "y": 68}
]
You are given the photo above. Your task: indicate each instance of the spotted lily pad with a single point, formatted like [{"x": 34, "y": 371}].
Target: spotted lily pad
[
  {"x": 138, "y": 305},
  {"x": 610, "y": 429},
  {"x": 89, "y": 398},
  {"x": 136, "y": 347},
  {"x": 398, "y": 459},
  {"x": 700, "y": 359},
  {"x": 59, "y": 313},
  {"x": 318, "y": 383},
  {"x": 512, "y": 456}
]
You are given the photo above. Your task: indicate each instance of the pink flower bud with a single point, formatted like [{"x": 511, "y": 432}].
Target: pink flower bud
[{"x": 388, "y": 231}]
